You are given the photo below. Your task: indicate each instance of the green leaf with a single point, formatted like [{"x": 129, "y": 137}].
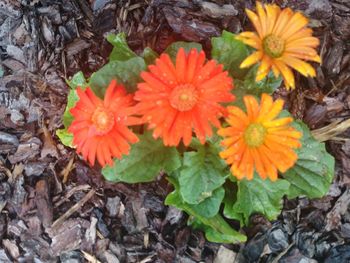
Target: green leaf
[
  {"x": 211, "y": 205},
  {"x": 249, "y": 86},
  {"x": 126, "y": 72},
  {"x": 267, "y": 85},
  {"x": 72, "y": 99},
  {"x": 230, "y": 52},
  {"x": 65, "y": 137},
  {"x": 146, "y": 159},
  {"x": 149, "y": 55},
  {"x": 78, "y": 80},
  {"x": 313, "y": 173},
  {"x": 174, "y": 47},
  {"x": 257, "y": 196},
  {"x": 215, "y": 227},
  {"x": 203, "y": 171},
  {"x": 213, "y": 234},
  {"x": 121, "y": 50}
]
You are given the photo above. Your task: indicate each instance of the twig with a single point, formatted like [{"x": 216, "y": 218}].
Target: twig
[
  {"x": 65, "y": 172},
  {"x": 73, "y": 209},
  {"x": 147, "y": 259},
  {"x": 331, "y": 131},
  {"x": 60, "y": 200},
  {"x": 90, "y": 258},
  {"x": 276, "y": 260}
]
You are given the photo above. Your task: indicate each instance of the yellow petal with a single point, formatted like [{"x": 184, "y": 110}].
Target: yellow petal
[
  {"x": 252, "y": 107},
  {"x": 304, "y": 68},
  {"x": 275, "y": 70},
  {"x": 282, "y": 21},
  {"x": 316, "y": 58},
  {"x": 246, "y": 34},
  {"x": 256, "y": 22},
  {"x": 266, "y": 104},
  {"x": 252, "y": 59},
  {"x": 297, "y": 22},
  {"x": 278, "y": 122},
  {"x": 305, "y": 32},
  {"x": 253, "y": 40},
  {"x": 272, "y": 12},
  {"x": 286, "y": 73},
  {"x": 305, "y": 41},
  {"x": 262, "y": 18},
  {"x": 273, "y": 112},
  {"x": 264, "y": 68}
]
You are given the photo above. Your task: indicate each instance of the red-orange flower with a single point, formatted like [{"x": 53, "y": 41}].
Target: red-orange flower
[
  {"x": 100, "y": 127},
  {"x": 257, "y": 140},
  {"x": 177, "y": 99}
]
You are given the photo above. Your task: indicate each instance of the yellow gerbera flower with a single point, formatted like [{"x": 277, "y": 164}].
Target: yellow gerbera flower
[
  {"x": 259, "y": 140},
  {"x": 282, "y": 41}
]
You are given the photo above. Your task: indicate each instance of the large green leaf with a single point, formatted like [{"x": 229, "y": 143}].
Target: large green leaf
[
  {"x": 249, "y": 86},
  {"x": 230, "y": 52},
  {"x": 203, "y": 171},
  {"x": 313, "y": 173},
  {"x": 172, "y": 49},
  {"x": 217, "y": 230},
  {"x": 209, "y": 207},
  {"x": 126, "y": 72},
  {"x": 121, "y": 50},
  {"x": 72, "y": 99},
  {"x": 65, "y": 137},
  {"x": 149, "y": 55},
  {"x": 146, "y": 159},
  {"x": 215, "y": 227},
  {"x": 78, "y": 80},
  {"x": 257, "y": 196}
]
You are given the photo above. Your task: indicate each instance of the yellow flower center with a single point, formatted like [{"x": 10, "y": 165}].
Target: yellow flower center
[
  {"x": 184, "y": 97},
  {"x": 103, "y": 120},
  {"x": 273, "y": 46},
  {"x": 254, "y": 135}
]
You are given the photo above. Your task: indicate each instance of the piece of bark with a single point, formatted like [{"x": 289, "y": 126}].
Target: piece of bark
[
  {"x": 43, "y": 203},
  {"x": 11, "y": 247}
]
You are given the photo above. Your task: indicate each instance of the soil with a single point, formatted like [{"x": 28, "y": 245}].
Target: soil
[{"x": 44, "y": 218}]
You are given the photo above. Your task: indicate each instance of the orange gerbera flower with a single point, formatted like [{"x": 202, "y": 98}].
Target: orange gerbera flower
[
  {"x": 100, "y": 126},
  {"x": 282, "y": 41},
  {"x": 174, "y": 99},
  {"x": 259, "y": 140}
]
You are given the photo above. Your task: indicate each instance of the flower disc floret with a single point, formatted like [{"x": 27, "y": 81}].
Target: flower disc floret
[
  {"x": 258, "y": 140},
  {"x": 103, "y": 120},
  {"x": 273, "y": 46},
  {"x": 177, "y": 99},
  {"x": 254, "y": 135},
  {"x": 184, "y": 97}
]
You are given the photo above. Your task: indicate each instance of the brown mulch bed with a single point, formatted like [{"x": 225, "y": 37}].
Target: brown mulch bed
[{"x": 42, "y": 219}]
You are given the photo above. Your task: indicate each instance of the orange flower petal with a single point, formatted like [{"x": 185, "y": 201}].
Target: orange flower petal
[
  {"x": 94, "y": 129},
  {"x": 265, "y": 143},
  {"x": 191, "y": 102}
]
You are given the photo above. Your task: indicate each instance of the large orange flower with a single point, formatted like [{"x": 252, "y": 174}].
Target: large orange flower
[
  {"x": 282, "y": 41},
  {"x": 100, "y": 126},
  {"x": 259, "y": 140},
  {"x": 175, "y": 99}
]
